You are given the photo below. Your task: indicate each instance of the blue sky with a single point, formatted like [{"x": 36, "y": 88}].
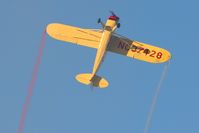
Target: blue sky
[{"x": 60, "y": 104}]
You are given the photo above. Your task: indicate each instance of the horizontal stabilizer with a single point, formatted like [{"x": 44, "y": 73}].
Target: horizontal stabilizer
[{"x": 95, "y": 80}]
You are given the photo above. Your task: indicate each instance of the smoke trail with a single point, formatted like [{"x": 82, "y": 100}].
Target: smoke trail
[
  {"x": 155, "y": 97},
  {"x": 31, "y": 84}
]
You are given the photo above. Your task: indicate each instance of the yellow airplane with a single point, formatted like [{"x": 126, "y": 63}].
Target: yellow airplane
[{"x": 106, "y": 40}]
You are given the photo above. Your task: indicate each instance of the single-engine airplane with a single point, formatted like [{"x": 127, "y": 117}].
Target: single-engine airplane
[{"x": 106, "y": 40}]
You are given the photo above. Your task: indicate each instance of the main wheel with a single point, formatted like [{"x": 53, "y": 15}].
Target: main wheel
[
  {"x": 118, "y": 25},
  {"x": 99, "y": 20}
]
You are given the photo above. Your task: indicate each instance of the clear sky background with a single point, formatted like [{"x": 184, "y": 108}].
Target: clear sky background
[{"x": 61, "y": 105}]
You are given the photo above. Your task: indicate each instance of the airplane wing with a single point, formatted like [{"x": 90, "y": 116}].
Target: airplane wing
[
  {"x": 138, "y": 50},
  {"x": 84, "y": 37}
]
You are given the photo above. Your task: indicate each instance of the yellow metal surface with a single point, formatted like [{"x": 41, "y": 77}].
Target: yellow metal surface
[
  {"x": 85, "y": 37},
  {"x": 102, "y": 49},
  {"x": 138, "y": 50},
  {"x": 111, "y": 23},
  {"x": 97, "y": 82}
]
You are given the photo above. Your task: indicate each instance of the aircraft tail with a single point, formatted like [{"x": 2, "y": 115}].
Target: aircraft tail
[{"x": 95, "y": 80}]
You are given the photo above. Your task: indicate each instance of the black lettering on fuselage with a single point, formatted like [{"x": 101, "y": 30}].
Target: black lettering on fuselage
[
  {"x": 127, "y": 47},
  {"x": 123, "y": 46}
]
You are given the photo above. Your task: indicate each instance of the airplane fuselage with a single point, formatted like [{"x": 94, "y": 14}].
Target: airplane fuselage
[{"x": 109, "y": 28}]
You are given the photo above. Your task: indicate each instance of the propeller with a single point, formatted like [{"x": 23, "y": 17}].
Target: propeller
[{"x": 113, "y": 14}]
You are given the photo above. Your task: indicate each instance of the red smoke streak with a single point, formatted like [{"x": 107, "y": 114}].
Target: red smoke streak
[{"x": 32, "y": 84}]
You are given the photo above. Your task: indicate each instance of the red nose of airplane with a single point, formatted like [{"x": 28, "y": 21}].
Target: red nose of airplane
[{"x": 113, "y": 17}]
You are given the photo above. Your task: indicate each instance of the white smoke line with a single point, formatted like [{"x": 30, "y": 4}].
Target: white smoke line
[{"x": 155, "y": 97}]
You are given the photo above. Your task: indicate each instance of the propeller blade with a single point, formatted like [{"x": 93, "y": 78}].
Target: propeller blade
[{"x": 113, "y": 13}]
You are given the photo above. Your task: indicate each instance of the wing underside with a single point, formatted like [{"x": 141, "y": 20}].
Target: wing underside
[
  {"x": 138, "y": 50},
  {"x": 118, "y": 44},
  {"x": 84, "y": 37}
]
